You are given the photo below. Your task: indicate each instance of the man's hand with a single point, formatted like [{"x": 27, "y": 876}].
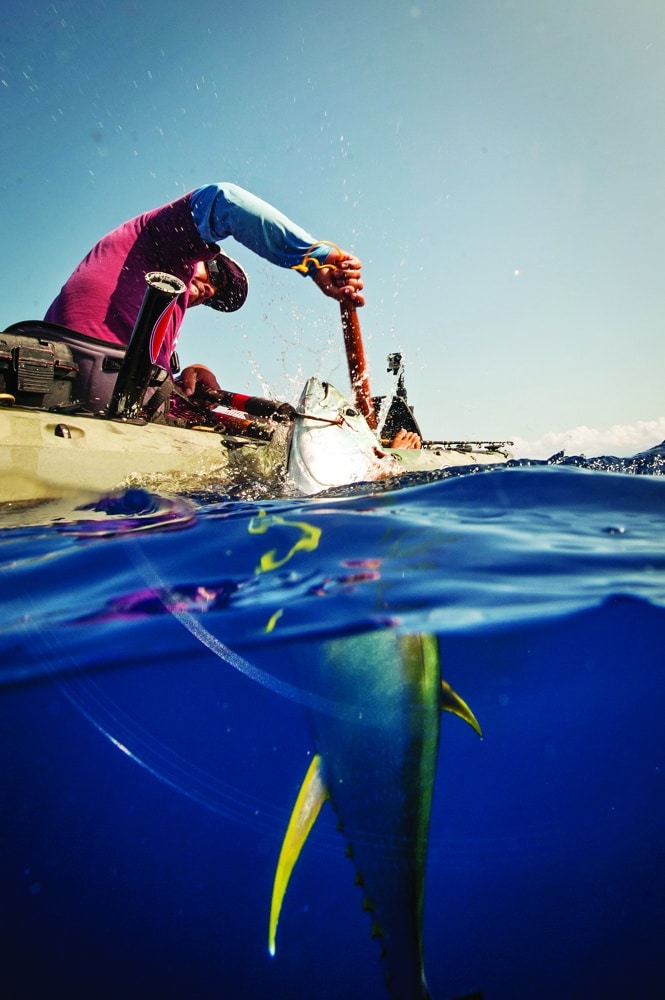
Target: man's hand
[
  {"x": 340, "y": 278},
  {"x": 195, "y": 379}
]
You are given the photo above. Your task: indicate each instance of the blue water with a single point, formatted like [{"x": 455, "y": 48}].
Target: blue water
[{"x": 154, "y": 736}]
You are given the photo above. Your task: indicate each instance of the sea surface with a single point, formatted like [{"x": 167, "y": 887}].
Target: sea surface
[{"x": 154, "y": 735}]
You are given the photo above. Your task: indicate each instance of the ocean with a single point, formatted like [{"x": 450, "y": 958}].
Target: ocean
[{"x": 155, "y": 735}]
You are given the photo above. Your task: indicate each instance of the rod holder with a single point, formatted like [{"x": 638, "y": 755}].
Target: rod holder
[{"x": 144, "y": 346}]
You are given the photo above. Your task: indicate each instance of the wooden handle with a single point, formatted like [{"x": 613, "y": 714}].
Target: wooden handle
[{"x": 355, "y": 355}]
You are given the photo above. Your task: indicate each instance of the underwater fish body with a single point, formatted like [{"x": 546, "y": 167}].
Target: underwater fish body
[{"x": 376, "y": 764}]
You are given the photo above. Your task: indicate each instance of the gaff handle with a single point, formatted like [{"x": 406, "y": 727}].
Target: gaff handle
[{"x": 355, "y": 356}]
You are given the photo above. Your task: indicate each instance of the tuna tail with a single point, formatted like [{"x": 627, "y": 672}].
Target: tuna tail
[{"x": 313, "y": 793}]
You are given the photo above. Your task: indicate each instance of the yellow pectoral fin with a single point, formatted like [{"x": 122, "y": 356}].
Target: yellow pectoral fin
[
  {"x": 451, "y": 702},
  {"x": 313, "y": 793}
]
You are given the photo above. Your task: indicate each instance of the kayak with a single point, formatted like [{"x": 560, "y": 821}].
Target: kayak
[
  {"x": 326, "y": 443},
  {"x": 78, "y": 413},
  {"x": 44, "y": 453}
]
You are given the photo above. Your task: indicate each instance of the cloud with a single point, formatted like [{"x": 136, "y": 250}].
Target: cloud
[{"x": 621, "y": 440}]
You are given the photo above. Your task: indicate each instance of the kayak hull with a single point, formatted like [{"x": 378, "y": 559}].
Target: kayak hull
[
  {"x": 42, "y": 454},
  {"x": 45, "y": 454}
]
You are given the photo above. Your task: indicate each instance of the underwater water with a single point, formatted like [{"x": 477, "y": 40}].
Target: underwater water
[{"x": 155, "y": 735}]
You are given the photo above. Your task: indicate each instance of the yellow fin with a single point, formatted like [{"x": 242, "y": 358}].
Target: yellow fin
[
  {"x": 451, "y": 702},
  {"x": 313, "y": 793}
]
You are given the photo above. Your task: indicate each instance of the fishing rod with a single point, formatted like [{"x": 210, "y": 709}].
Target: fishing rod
[
  {"x": 254, "y": 406},
  {"x": 469, "y": 445}
]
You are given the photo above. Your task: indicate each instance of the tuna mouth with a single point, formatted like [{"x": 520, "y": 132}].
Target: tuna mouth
[
  {"x": 314, "y": 399},
  {"x": 348, "y": 411},
  {"x": 322, "y": 420},
  {"x": 320, "y": 394}
]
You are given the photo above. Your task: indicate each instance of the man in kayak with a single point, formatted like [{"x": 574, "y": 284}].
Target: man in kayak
[{"x": 103, "y": 296}]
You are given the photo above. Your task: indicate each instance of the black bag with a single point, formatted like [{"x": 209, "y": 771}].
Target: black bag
[
  {"x": 49, "y": 366},
  {"x": 36, "y": 371}
]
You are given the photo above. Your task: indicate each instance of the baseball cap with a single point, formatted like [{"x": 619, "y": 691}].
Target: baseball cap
[{"x": 231, "y": 283}]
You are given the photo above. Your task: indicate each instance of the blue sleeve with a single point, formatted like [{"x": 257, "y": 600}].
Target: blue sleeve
[{"x": 221, "y": 210}]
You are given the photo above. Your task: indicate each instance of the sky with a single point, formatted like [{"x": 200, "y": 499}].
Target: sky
[{"x": 496, "y": 164}]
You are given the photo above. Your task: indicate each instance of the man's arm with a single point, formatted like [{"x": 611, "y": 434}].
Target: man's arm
[{"x": 222, "y": 210}]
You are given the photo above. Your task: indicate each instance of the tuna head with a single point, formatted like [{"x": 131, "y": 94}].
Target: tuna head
[
  {"x": 376, "y": 765},
  {"x": 332, "y": 444}
]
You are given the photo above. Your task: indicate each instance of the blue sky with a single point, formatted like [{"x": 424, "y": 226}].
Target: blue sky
[{"x": 496, "y": 164}]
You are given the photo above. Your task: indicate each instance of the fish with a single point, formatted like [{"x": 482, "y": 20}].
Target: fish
[
  {"x": 332, "y": 444},
  {"x": 375, "y": 760}
]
